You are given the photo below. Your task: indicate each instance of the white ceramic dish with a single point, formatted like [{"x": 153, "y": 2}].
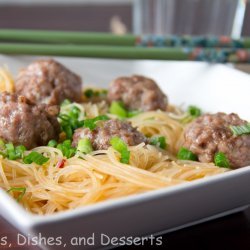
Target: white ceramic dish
[{"x": 213, "y": 88}]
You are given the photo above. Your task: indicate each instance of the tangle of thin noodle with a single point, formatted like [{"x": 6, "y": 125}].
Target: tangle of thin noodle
[
  {"x": 87, "y": 179},
  {"x": 99, "y": 176},
  {"x": 159, "y": 123}
]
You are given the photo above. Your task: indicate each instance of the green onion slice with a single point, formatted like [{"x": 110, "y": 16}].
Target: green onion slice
[
  {"x": 13, "y": 152},
  {"x": 221, "y": 160},
  {"x": 117, "y": 108},
  {"x": 133, "y": 113},
  {"x": 52, "y": 143},
  {"x": 185, "y": 154},
  {"x": 91, "y": 123},
  {"x": 20, "y": 151},
  {"x": 65, "y": 102},
  {"x": 119, "y": 145},
  {"x": 70, "y": 121},
  {"x": 84, "y": 146},
  {"x": 159, "y": 141},
  {"x": 2, "y": 145},
  {"x": 21, "y": 190},
  {"x": 241, "y": 130},
  {"x": 35, "y": 157},
  {"x": 103, "y": 92},
  {"x": 194, "y": 111},
  {"x": 92, "y": 93},
  {"x": 66, "y": 148},
  {"x": 74, "y": 113},
  {"x": 89, "y": 93},
  {"x": 69, "y": 125}
]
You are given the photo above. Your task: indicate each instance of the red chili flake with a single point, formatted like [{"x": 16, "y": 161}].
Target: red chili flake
[{"x": 60, "y": 163}]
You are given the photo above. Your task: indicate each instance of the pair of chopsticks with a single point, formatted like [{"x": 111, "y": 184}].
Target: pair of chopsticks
[{"x": 105, "y": 45}]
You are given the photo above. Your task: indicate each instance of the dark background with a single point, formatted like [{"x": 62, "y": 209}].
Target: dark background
[
  {"x": 85, "y": 17},
  {"x": 230, "y": 232}
]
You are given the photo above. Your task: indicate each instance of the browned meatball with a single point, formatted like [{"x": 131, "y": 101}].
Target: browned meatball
[
  {"x": 137, "y": 93},
  {"x": 24, "y": 123},
  {"x": 211, "y": 133},
  {"x": 47, "y": 81},
  {"x": 102, "y": 134}
]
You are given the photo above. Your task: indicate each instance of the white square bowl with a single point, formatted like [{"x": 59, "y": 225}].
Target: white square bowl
[{"x": 211, "y": 87}]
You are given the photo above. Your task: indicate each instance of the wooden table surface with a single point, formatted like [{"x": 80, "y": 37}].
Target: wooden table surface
[{"x": 230, "y": 232}]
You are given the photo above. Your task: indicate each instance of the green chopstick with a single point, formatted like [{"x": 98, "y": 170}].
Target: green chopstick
[
  {"x": 118, "y": 52},
  {"x": 96, "y": 38},
  {"x": 222, "y": 55},
  {"x": 65, "y": 37}
]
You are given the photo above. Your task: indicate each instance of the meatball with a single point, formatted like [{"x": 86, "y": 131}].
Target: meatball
[
  {"x": 49, "y": 82},
  {"x": 25, "y": 123},
  {"x": 137, "y": 93},
  {"x": 211, "y": 133},
  {"x": 102, "y": 134}
]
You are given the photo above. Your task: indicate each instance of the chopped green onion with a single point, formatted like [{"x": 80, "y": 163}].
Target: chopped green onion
[
  {"x": 64, "y": 117},
  {"x": 52, "y": 143},
  {"x": 185, "y": 154},
  {"x": 67, "y": 143},
  {"x": 133, "y": 113},
  {"x": 119, "y": 145},
  {"x": 2, "y": 145},
  {"x": 194, "y": 111},
  {"x": 89, "y": 93},
  {"x": 91, "y": 123},
  {"x": 14, "y": 153},
  {"x": 84, "y": 146},
  {"x": 11, "y": 154},
  {"x": 159, "y": 141},
  {"x": 117, "y": 108},
  {"x": 20, "y": 151},
  {"x": 66, "y": 148},
  {"x": 35, "y": 157},
  {"x": 241, "y": 130},
  {"x": 21, "y": 190},
  {"x": 69, "y": 122},
  {"x": 3, "y": 154},
  {"x": 101, "y": 118},
  {"x": 74, "y": 112},
  {"x": 221, "y": 160},
  {"x": 104, "y": 92},
  {"x": 65, "y": 102},
  {"x": 125, "y": 155},
  {"x": 67, "y": 129}
]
